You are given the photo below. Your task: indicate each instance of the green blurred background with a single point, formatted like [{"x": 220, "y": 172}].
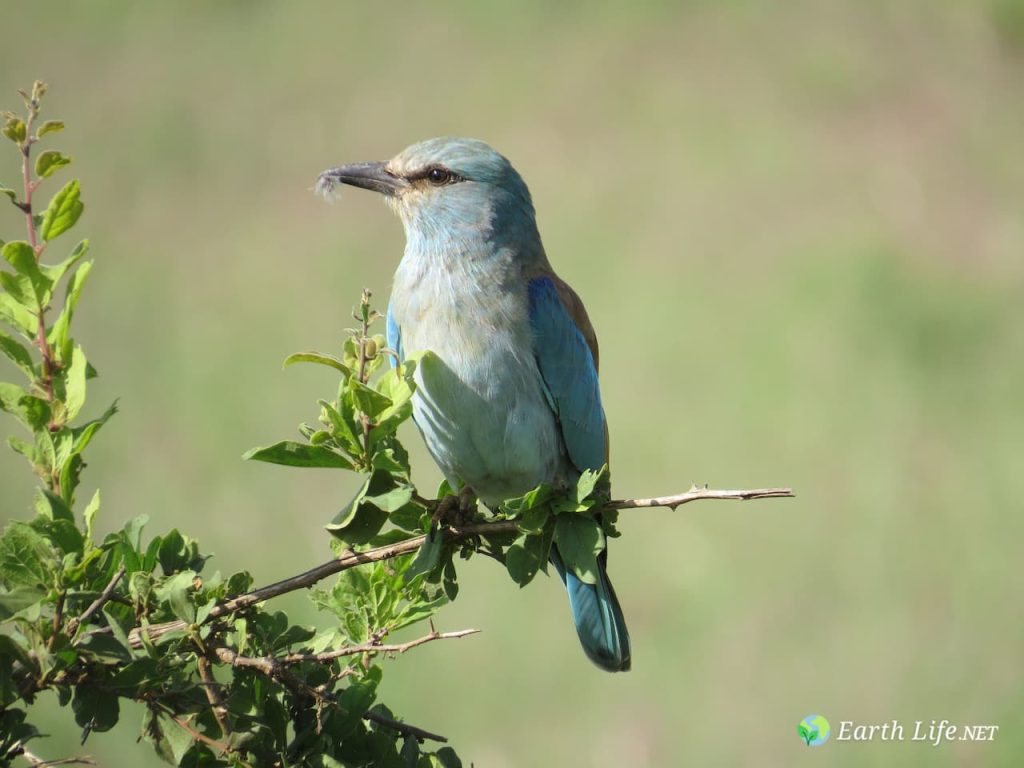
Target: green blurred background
[{"x": 799, "y": 230}]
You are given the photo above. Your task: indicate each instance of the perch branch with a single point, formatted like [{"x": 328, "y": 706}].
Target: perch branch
[
  {"x": 696, "y": 494},
  {"x": 403, "y": 728},
  {"x": 350, "y": 559},
  {"x": 355, "y": 650}
]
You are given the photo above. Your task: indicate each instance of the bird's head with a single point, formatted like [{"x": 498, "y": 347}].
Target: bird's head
[{"x": 446, "y": 189}]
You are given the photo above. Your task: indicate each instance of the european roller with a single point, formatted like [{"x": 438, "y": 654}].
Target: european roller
[{"x": 515, "y": 401}]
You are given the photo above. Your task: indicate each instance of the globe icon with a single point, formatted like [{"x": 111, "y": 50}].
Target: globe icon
[{"x": 814, "y": 730}]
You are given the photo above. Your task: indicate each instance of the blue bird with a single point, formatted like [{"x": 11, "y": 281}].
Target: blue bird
[{"x": 513, "y": 400}]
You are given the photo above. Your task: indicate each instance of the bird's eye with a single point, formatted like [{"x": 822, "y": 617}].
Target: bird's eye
[{"x": 439, "y": 176}]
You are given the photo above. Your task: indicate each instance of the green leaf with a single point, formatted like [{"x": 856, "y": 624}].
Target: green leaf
[
  {"x": 63, "y": 534},
  {"x": 5, "y": 190},
  {"x": 106, "y": 649},
  {"x": 20, "y": 255},
  {"x": 17, "y": 354},
  {"x": 362, "y": 519},
  {"x": 408, "y": 518},
  {"x": 536, "y": 498},
  {"x": 14, "y": 129},
  {"x": 175, "y": 591},
  {"x": 520, "y": 563},
  {"x": 399, "y": 384},
  {"x": 75, "y": 383},
  {"x": 17, "y": 599},
  {"x": 387, "y": 460},
  {"x": 392, "y": 500},
  {"x": 368, "y": 400},
  {"x": 588, "y": 481},
  {"x": 57, "y": 271},
  {"x": 29, "y": 451},
  {"x": 49, "y": 162},
  {"x": 13, "y": 312},
  {"x": 343, "y": 431},
  {"x": 49, "y": 504},
  {"x": 320, "y": 358},
  {"x": 358, "y": 696},
  {"x": 83, "y": 435},
  {"x": 32, "y": 411},
  {"x": 429, "y": 555},
  {"x": 26, "y": 558},
  {"x": 447, "y": 758},
  {"x": 62, "y": 212},
  {"x": 292, "y": 454},
  {"x": 95, "y": 708},
  {"x": 580, "y": 540},
  {"x": 19, "y": 288},
  {"x": 533, "y": 519},
  {"x": 10, "y": 395},
  {"x": 410, "y": 752},
  {"x": 58, "y": 334},
  {"x": 136, "y": 673},
  {"x": 89, "y": 516},
  {"x": 50, "y": 126},
  {"x": 526, "y": 556}
]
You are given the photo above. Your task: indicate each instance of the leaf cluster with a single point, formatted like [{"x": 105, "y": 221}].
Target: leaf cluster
[
  {"x": 546, "y": 517},
  {"x": 95, "y": 620}
]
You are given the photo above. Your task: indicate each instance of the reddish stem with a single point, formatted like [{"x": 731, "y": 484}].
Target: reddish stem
[{"x": 45, "y": 351}]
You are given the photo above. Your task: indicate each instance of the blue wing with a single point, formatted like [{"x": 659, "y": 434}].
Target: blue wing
[
  {"x": 570, "y": 374},
  {"x": 394, "y": 337}
]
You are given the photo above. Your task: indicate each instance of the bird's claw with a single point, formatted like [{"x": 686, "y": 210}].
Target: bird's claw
[{"x": 456, "y": 510}]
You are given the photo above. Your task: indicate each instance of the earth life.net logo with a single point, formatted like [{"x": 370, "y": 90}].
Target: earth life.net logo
[{"x": 814, "y": 730}]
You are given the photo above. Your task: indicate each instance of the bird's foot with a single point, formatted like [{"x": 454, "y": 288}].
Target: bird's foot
[
  {"x": 456, "y": 510},
  {"x": 443, "y": 510},
  {"x": 467, "y": 505}
]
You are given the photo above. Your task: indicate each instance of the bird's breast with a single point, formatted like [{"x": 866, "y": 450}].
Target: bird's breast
[{"x": 481, "y": 403}]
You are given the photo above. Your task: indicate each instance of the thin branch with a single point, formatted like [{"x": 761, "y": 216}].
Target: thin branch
[
  {"x": 220, "y": 712},
  {"x": 347, "y": 560},
  {"x": 221, "y": 748},
  {"x": 351, "y": 559},
  {"x": 403, "y": 728},
  {"x": 355, "y": 650},
  {"x": 37, "y": 762},
  {"x": 364, "y": 321},
  {"x": 58, "y": 619},
  {"x": 696, "y": 494},
  {"x": 99, "y": 602}
]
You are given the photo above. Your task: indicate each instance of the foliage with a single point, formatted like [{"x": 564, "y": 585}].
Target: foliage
[{"x": 95, "y": 620}]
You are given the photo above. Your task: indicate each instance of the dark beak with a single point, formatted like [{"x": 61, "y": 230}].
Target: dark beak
[{"x": 374, "y": 176}]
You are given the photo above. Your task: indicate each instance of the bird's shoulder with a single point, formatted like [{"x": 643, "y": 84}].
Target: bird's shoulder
[{"x": 573, "y": 306}]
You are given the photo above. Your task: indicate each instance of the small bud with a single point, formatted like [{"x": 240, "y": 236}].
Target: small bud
[{"x": 370, "y": 348}]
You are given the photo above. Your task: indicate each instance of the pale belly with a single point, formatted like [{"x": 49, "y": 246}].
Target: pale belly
[{"x": 482, "y": 410}]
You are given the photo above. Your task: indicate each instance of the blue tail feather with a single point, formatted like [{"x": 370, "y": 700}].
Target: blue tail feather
[{"x": 598, "y": 617}]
